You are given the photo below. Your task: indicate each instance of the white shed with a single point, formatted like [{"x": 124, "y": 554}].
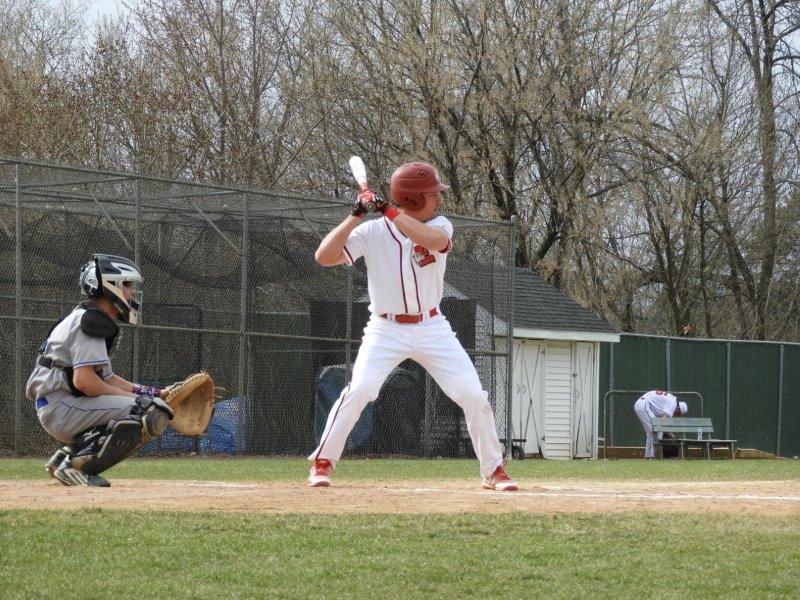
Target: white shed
[
  {"x": 556, "y": 389},
  {"x": 555, "y": 401}
]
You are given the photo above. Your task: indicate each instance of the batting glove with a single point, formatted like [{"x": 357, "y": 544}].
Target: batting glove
[
  {"x": 358, "y": 210},
  {"x": 385, "y": 208},
  {"x": 368, "y": 200}
]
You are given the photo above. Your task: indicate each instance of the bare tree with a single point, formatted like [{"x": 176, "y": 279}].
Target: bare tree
[
  {"x": 233, "y": 64},
  {"x": 41, "y": 112},
  {"x": 763, "y": 32},
  {"x": 649, "y": 148}
]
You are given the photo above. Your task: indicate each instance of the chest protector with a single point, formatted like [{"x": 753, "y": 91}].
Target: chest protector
[{"x": 94, "y": 323}]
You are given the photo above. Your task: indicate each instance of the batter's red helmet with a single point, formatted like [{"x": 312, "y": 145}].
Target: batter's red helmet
[{"x": 412, "y": 180}]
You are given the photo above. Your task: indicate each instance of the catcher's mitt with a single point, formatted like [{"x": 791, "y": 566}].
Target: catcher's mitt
[{"x": 193, "y": 402}]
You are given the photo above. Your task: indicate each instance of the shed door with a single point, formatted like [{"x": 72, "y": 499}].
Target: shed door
[
  {"x": 584, "y": 394},
  {"x": 528, "y": 399},
  {"x": 558, "y": 406}
]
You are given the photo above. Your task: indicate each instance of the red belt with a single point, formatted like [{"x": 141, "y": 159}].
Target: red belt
[{"x": 410, "y": 319}]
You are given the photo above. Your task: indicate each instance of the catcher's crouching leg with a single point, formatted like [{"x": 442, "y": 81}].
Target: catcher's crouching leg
[{"x": 123, "y": 437}]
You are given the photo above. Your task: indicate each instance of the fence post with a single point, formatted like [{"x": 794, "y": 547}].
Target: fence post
[
  {"x": 609, "y": 416},
  {"x": 17, "y": 313},
  {"x": 348, "y": 336},
  {"x": 728, "y": 390},
  {"x": 243, "y": 359},
  {"x": 137, "y": 258},
  {"x": 512, "y": 263},
  {"x": 159, "y": 296},
  {"x": 780, "y": 403},
  {"x": 668, "y": 361},
  {"x": 427, "y": 423},
  {"x": 66, "y": 293}
]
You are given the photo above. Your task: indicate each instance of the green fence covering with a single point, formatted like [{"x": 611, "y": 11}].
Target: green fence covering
[
  {"x": 754, "y": 395},
  {"x": 640, "y": 364},
  {"x": 699, "y": 366},
  {"x": 750, "y": 393},
  {"x": 790, "y": 406}
]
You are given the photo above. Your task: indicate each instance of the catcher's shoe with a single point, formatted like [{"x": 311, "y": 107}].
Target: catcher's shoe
[
  {"x": 69, "y": 475},
  {"x": 500, "y": 481},
  {"x": 320, "y": 473},
  {"x": 97, "y": 481},
  {"x": 51, "y": 465}
]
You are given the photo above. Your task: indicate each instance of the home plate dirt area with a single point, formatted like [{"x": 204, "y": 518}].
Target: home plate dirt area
[{"x": 412, "y": 497}]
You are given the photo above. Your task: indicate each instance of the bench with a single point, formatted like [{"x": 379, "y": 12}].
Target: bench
[
  {"x": 684, "y": 431},
  {"x": 517, "y": 445}
]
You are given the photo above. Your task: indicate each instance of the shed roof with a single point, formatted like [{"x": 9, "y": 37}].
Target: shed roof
[{"x": 538, "y": 305}]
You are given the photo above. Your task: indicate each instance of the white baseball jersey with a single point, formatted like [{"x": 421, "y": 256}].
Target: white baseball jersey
[
  {"x": 660, "y": 404},
  {"x": 403, "y": 277}
]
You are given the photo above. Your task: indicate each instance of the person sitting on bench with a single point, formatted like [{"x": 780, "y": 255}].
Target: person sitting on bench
[{"x": 656, "y": 403}]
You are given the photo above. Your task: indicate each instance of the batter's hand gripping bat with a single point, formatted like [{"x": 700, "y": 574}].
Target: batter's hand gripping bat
[{"x": 359, "y": 172}]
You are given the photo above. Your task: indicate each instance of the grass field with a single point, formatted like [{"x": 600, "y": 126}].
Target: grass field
[
  {"x": 99, "y": 553},
  {"x": 296, "y": 469}
]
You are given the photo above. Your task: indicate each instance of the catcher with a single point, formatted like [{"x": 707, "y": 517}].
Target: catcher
[{"x": 80, "y": 401}]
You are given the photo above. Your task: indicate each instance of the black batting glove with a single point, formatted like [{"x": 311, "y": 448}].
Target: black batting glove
[{"x": 358, "y": 210}]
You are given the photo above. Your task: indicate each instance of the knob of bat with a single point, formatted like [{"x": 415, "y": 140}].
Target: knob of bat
[{"x": 368, "y": 200}]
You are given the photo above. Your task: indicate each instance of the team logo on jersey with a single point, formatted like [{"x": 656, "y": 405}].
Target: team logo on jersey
[{"x": 422, "y": 256}]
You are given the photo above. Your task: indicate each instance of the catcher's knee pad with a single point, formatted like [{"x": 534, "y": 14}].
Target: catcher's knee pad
[
  {"x": 155, "y": 415},
  {"x": 122, "y": 438}
]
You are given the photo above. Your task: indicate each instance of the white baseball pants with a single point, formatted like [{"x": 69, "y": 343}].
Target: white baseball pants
[
  {"x": 640, "y": 408},
  {"x": 432, "y": 344},
  {"x": 64, "y": 416}
]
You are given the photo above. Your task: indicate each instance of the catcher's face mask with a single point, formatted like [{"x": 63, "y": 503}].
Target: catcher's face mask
[
  {"x": 117, "y": 279},
  {"x": 132, "y": 292}
]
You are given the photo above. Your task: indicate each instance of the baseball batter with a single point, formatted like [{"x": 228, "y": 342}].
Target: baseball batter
[
  {"x": 80, "y": 401},
  {"x": 406, "y": 254},
  {"x": 656, "y": 403}
]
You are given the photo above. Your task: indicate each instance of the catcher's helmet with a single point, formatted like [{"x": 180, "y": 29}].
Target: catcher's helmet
[
  {"x": 104, "y": 275},
  {"x": 412, "y": 180}
]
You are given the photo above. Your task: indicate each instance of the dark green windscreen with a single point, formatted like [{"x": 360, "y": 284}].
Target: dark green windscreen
[
  {"x": 754, "y": 395},
  {"x": 640, "y": 363},
  {"x": 790, "y": 421},
  {"x": 699, "y": 366}
]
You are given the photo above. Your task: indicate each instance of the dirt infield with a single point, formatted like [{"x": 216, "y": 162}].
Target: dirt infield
[{"x": 412, "y": 497}]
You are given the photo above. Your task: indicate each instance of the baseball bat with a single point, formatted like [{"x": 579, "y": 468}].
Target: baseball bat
[{"x": 359, "y": 172}]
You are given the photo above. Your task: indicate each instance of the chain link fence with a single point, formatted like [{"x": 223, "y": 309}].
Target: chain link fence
[{"x": 232, "y": 287}]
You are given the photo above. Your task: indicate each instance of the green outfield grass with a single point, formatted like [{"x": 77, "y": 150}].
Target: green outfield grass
[
  {"x": 104, "y": 554},
  {"x": 290, "y": 469},
  {"x": 95, "y": 553},
  {"x": 293, "y": 469}
]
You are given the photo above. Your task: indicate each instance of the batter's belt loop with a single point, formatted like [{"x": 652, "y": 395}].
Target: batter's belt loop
[{"x": 411, "y": 319}]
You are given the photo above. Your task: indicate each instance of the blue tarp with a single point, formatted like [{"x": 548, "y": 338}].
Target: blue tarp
[
  {"x": 330, "y": 383},
  {"x": 220, "y": 438},
  {"x": 222, "y": 430}
]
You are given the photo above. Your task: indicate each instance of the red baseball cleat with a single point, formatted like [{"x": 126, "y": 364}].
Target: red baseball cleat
[
  {"x": 320, "y": 473},
  {"x": 500, "y": 481}
]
